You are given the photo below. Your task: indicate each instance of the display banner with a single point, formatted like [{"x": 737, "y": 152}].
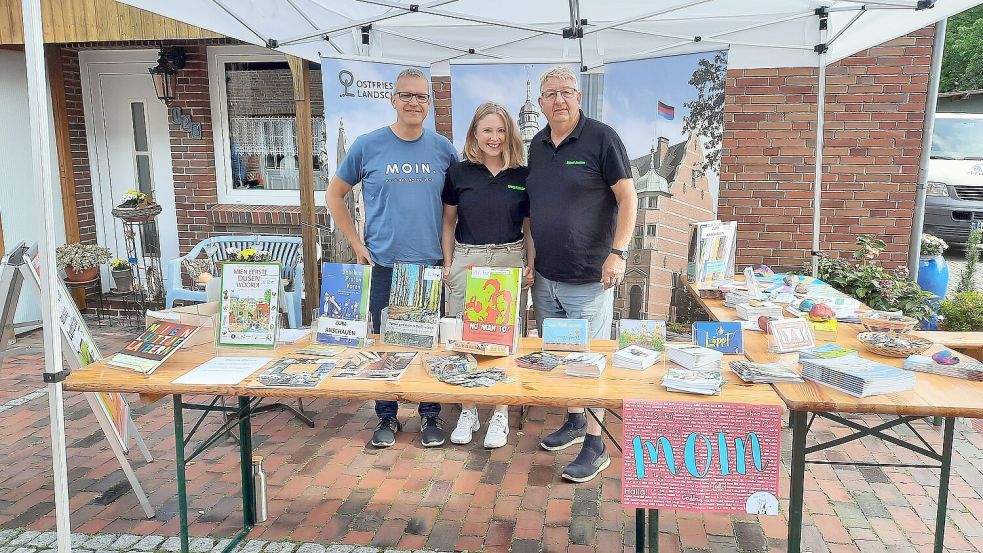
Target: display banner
[
  {"x": 357, "y": 97},
  {"x": 514, "y": 85},
  {"x": 710, "y": 457}
]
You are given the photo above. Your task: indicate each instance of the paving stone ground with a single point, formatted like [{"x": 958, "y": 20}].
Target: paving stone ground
[{"x": 328, "y": 491}]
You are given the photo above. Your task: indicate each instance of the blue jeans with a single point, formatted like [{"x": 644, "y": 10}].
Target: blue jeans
[
  {"x": 589, "y": 301},
  {"x": 382, "y": 280}
]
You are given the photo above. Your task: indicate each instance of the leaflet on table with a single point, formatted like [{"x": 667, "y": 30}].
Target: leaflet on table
[
  {"x": 566, "y": 335},
  {"x": 388, "y": 365},
  {"x": 344, "y": 304},
  {"x": 293, "y": 372},
  {"x": 291, "y": 335},
  {"x": 725, "y": 337},
  {"x": 249, "y": 304},
  {"x": 491, "y": 312},
  {"x": 223, "y": 371},
  {"x": 149, "y": 350},
  {"x": 648, "y": 334},
  {"x": 413, "y": 315}
]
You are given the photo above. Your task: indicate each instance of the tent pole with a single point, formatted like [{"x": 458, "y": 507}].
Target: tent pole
[
  {"x": 820, "y": 122},
  {"x": 918, "y": 218},
  {"x": 301, "y": 74},
  {"x": 37, "y": 93}
]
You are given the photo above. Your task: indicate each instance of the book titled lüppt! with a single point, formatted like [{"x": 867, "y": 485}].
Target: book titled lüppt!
[
  {"x": 344, "y": 304},
  {"x": 413, "y": 314},
  {"x": 648, "y": 334},
  {"x": 250, "y": 304},
  {"x": 726, "y": 337},
  {"x": 491, "y": 309},
  {"x": 566, "y": 335}
]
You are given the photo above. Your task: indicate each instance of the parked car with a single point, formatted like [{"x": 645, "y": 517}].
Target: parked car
[{"x": 955, "y": 177}]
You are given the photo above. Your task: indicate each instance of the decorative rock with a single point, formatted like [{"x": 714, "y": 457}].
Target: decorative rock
[
  {"x": 807, "y": 305},
  {"x": 801, "y": 288},
  {"x": 945, "y": 357},
  {"x": 764, "y": 270},
  {"x": 821, "y": 312},
  {"x": 763, "y": 322},
  {"x": 791, "y": 280}
]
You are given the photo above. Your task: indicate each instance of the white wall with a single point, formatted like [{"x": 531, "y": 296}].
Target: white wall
[{"x": 20, "y": 202}]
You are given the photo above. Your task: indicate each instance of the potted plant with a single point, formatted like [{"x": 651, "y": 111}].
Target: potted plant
[
  {"x": 81, "y": 261},
  {"x": 933, "y": 271},
  {"x": 136, "y": 207},
  {"x": 122, "y": 273}
]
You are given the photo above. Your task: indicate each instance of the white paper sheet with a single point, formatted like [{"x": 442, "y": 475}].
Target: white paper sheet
[
  {"x": 223, "y": 370},
  {"x": 291, "y": 335}
]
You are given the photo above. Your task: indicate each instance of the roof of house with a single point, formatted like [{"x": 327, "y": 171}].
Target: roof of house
[{"x": 647, "y": 180}]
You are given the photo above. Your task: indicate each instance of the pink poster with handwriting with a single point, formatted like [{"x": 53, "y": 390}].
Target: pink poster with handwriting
[{"x": 713, "y": 457}]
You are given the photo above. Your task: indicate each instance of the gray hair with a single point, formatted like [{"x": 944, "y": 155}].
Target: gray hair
[
  {"x": 561, "y": 72},
  {"x": 410, "y": 72}
]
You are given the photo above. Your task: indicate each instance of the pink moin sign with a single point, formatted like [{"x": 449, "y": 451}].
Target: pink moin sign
[{"x": 715, "y": 457}]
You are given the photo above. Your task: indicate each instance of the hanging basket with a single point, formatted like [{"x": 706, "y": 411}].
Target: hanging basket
[{"x": 140, "y": 214}]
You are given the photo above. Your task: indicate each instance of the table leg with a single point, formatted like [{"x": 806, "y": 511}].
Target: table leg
[
  {"x": 182, "y": 492},
  {"x": 639, "y": 530},
  {"x": 653, "y": 530},
  {"x": 246, "y": 464},
  {"x": 947, "y": 435},
  {"x": 798, "y": 423}
]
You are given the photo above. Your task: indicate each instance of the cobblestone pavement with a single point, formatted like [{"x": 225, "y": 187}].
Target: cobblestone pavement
[{"x": 326, "y": 487}]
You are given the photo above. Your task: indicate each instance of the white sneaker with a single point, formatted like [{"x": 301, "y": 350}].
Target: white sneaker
[
  {"x": 467, "y": 425},
  {"x": 498, "y": 430}
]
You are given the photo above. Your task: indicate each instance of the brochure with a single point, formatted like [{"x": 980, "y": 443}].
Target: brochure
[
  {"x": 491, "y": 309},
  {"x": 249, "y": 304},
  {"x": 292, "y": 372},
  {"x": 566, "y": 335},
  {"x": 344, "y": 304}
]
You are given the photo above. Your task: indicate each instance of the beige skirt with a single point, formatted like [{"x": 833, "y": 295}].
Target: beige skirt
[{"x": 512, "y": 254}]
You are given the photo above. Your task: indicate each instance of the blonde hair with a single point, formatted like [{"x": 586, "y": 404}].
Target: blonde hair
[
  {"x": 561, "y": 72},
  {"x": 513, "y": 152}
]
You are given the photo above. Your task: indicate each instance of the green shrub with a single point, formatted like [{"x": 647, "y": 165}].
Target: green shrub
[{"x": 964, "y": 312}]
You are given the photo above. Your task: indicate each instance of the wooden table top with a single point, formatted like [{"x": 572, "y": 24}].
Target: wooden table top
[
  {"x": 530, "y": 387},
  {"x": 933, "y": 395}
]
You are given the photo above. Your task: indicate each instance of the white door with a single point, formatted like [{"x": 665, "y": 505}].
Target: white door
[{"x": 129, "y": 148}]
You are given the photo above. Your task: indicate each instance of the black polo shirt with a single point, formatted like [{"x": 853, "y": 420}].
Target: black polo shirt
[
  {"x": 573, "y": 210},
  {"x": 490, "y": 208}
]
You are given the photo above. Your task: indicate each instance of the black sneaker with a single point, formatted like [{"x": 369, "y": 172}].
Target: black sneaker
[
  {"x": 566, "y": 436},
  {"x": 385, "y": 432},
  {"x": 588, "y": 464},
  {"x": 432, "y": 431}
]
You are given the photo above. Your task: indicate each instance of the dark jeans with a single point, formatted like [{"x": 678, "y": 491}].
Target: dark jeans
[{"x": 382, "y": 280}]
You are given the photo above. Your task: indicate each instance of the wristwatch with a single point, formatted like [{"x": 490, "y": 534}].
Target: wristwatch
[{"x": 623, "y": 254}]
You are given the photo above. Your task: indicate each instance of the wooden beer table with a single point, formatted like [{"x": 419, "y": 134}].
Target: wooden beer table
[
  {"x": 933, "y": 396},
  {"x": 530, "y": 387}
]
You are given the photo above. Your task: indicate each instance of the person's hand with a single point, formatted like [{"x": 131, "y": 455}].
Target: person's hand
[
  {"x": 613, "y": 271},
  {"x": 447, "y": 274},
  {"x": 362, "y": 255},
  {"x": 528, "y": 276}
]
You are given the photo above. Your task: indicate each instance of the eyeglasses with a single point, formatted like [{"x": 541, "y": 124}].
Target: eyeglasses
[
  {"x": 550, "y": 95},
  {"x": 409, "y": 96}
]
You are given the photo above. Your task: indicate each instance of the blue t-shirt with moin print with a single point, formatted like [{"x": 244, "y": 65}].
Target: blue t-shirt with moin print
[{"x": 401, "y": 185}]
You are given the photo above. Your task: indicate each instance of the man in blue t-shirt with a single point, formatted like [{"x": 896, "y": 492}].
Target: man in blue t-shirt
[{"x": 401, "y": 168}]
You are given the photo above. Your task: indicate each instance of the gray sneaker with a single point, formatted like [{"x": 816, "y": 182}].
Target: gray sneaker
[
  {"x": 587, "y": 465},
  {"x": 566, "y": 436},
  {"x": 385, "y": 432},
  {"x": 432, "y": 432}
]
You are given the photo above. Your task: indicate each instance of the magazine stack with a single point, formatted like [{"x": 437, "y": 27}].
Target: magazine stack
[
  {"x": 635, "y": 357},
  {"x": 694, "y": 370},
  {"x": 857, "y": 376},
  {"x": 584, "y": 364},
  {"x": 764, "y": 373},
  {"x": 752, "y": 310},
  {"x": 965, "y": 370}
]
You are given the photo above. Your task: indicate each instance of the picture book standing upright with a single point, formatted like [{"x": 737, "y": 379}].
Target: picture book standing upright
[
  {"x": 344, "y": 304},
  {"x": 413, "y": 314},
  {"x": 249, "y": 304},
  {"x": 491, "y": 309}
]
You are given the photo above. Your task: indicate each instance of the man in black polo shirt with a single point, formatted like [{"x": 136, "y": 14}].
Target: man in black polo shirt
[{"x": 582, "y": 210}]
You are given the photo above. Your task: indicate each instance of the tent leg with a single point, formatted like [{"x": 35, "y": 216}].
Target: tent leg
[{"x": 817, "y": 200}]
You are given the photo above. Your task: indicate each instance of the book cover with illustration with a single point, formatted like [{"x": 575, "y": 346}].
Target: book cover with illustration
[
  {"x": 491, "y": 308},
  {"x": 249, "y": 307},
  {"x": 413, "y": 314},
  {"x": 344, "y": 304},
  {"x": 149, "y": 350},
  {"x": 726, "y": 337},
  {"x": 566, "y": 335},
  {"x": 648, "y": 334},
  {"x": 711, "y": 252}
]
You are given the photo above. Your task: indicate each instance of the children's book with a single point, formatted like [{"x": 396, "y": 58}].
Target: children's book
[
  {"x": 149, "y": 350},
  {"x": 291, "y": 372},
  {"x": 648, "y": 334},
  {"x": 491, "y": 308},
  {"x": 726, "y": 337},
  {"x": 566, "y": 335},
  {"x": 413, "y": 315},
  {"x": 344, "y": 304},
  {"x": 249, "y": 306}
]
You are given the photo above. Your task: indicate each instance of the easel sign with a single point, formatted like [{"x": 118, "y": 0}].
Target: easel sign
[{"x": 709, "y": 457}]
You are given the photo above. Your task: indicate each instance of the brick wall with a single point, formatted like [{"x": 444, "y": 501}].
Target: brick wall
[
  {"x": 874, "y": 119},
  {"x": 80, "y": 149},
  {"x": 442, "y": 105}
]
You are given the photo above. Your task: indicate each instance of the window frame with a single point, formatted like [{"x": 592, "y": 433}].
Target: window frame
[{"x": 217, "y": 57}]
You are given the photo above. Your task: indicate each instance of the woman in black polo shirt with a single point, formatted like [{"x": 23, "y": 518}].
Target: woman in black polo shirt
[{"x": 486, "y": 223}]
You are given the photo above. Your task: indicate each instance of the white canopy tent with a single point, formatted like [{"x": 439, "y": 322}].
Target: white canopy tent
[{"x": 772, "y": 33}]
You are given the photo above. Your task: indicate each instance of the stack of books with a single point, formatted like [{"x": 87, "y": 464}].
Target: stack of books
[
  {"x": 635, "y": 357},
  {"x": 965, "y": 370},
  {"x": 737, "y": 297},
  {"x": 857, "y": 376},
  {"x": 828, "y": 351},
  {"x": 701, "y": 381},
  {"x": 750, "y": 312},
  {"x": 695, "y": 357},
  {"x": 584, "y": 364},
  {"x": 764, "y": 373}
]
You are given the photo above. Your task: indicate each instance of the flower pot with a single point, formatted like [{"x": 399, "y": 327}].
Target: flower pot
[
  {"x": 85, "y": 275},
  {"x": 123, "y": 280},
  {"x": 933, "y": 276}
]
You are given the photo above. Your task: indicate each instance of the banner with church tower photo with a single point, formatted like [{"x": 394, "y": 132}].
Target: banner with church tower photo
[{"x": 669, "y": 113}]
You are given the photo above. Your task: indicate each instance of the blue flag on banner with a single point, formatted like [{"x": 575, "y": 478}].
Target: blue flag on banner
[{"x": 666, "y": 111}]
